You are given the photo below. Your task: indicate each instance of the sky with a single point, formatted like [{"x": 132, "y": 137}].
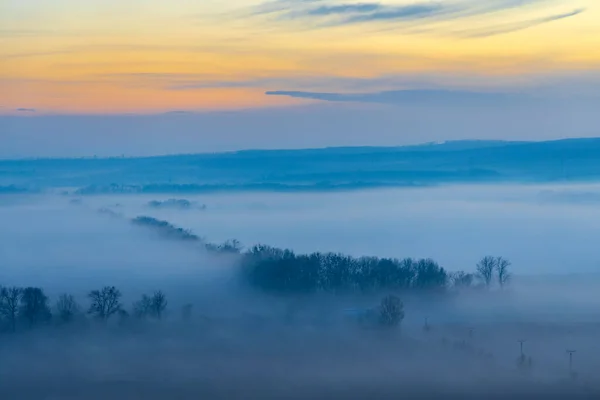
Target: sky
[{"x": 224, "y": 59}]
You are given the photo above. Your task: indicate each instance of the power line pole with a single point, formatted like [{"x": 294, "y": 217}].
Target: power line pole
[
  {"x": 571, "y": 361},
  {"x": 521, "y": 342}
]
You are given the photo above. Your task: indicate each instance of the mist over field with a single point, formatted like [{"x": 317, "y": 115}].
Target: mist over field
[
  {"x": 259, "y": 325},
  {"x": 455, "y": 225}
]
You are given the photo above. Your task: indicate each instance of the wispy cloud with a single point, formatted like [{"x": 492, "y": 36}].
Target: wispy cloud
[
  {"x": 323, "y": 86},
  {"x": 182, "y": 82},
  {"x": 397, "y": 13},
  {"x": 518, "y": 26},
  {"x": 344, "y": 9},
  {"x": 331, "y": 13},
  {"x": 410, "y": 97},
  {"x": 26, "y": 110},
  {"x": 276, "y": 6},
  {"x": 33, "y": 54}
]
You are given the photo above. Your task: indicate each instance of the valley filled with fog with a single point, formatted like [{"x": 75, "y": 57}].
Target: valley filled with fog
[
  {"x": 544, "y": 229},
  {"x": 458, "y": 340}
]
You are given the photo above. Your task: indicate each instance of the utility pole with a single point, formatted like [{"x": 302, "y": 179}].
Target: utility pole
[
  {"x": 521, "y": 342},
  {"x": 571, "y": 361}
]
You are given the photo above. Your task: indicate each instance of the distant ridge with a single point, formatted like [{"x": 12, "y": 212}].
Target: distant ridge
[
  {"x": 322, "y": 169},
  {"x": 446, "y": 145}
]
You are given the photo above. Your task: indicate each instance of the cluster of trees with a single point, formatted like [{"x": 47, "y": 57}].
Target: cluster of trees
[
  {"x": 191, "y": 188},
  {"x": 165, "y": 228},
  {"x": 30, "y": 307},
  {"x": 282, "y": 271},
  {"x": 181, "y": 204},
  {"x": 266, "y": 269},
  {"x": 270, "y": 270},
  {"x": 494, "y": 267},
  {"x": 170, "y": 231}
]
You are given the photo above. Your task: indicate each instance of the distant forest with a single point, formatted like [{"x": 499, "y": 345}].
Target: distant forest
[
  {"x": 264, "y": 269},
  {"x": 325, "y": 169}
]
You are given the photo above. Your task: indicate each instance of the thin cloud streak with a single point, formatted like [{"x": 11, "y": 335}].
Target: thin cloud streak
[
  {"x": 508, "y": 28},
  {"x": 429, "y": 97},
  {"x": 345, "y": 8},
  {"x": 328, "y": 14},
  {"x": 35, "y": 54}
]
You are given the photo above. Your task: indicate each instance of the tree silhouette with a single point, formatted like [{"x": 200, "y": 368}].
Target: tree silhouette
[
  {"x": 230, "y": 246},
  {"x": 104, "y": 302},
  {"x": 158, "y": 304},
  {"x": 429, "y": 275},
  {"x": 485, "y": 269},
  {"x": 283, "y": 272},
  {"x": 66, "y": 308},
  {"x": 391, "y": 311},
  {"x": 150, "y": 306},
  {"x": 461, "y": 279},
  {"x": 502, "y": 272},
  {"x": 34, "y": 306},
  {"x": 141, "y": 308},
  {"x": 9, "y": 305}
]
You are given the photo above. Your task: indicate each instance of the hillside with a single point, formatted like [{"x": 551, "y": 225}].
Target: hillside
[{"x": 317, "y": 169}]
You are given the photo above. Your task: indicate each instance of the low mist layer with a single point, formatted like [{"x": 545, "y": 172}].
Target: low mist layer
[{"x": 225, "y": 334}]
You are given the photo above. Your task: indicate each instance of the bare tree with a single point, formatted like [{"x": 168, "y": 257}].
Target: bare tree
[
  {"x": 461, "y": 279},
  {"x": 391, "y": 311},
  {"x": 485, "y": 269},
  {"x": 9, "y": 305},
  {"x": 142, "y": 307},
  {"x": 502, "y": 272},
  {"x": 104, "y": 302},
  {"x": 66, "y": 308},
  {"x": 34, "y": 306},
  {"x": 158, "y": 304},
  {"x": 153, "y": 306}
]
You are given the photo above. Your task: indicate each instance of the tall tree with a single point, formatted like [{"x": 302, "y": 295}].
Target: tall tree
[
  {"x": 502, "y": 272},
  {"x": 66, "y": 308},
  {"x": 158, "y": 304},
  {"x": 34, "y": 306},
  {"x": 485, "y": 269},
  {"x": 104, "y": 302},
  {"x": 9, "y": 305}
]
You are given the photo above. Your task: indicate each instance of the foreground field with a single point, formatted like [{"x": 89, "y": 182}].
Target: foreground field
[{"x": 271, "y": 359}]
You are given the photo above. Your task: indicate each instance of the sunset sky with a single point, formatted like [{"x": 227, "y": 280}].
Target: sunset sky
[{"x": 155, "y": 56}]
